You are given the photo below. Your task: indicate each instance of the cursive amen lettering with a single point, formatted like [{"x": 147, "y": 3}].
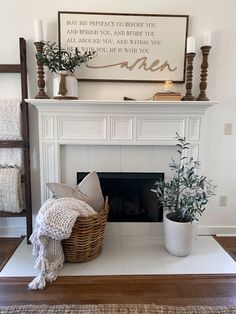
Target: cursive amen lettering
[{"x": 140, "y": 63}]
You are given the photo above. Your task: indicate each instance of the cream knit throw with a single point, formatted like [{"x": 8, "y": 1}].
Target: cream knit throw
[
  {"x": 11, "y": 157},
  {"x": 10, "y": 190},
  {"x": 54, "y": 223},
  {"x": 10, "y": 119}
]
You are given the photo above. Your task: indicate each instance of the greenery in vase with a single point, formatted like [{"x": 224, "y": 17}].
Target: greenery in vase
[
  {"x": 58, "y": 59},
  {"x": 187, "y": 193}
]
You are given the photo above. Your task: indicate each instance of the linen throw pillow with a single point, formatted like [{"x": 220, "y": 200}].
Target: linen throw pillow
[
  {"x": 89, "y": 190},
  {"x": 62, "y": 190},
  {"x": 90, "y": 186}
]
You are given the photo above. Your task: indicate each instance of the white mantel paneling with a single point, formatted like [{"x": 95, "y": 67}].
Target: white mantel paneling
[{"x": 108, "y": 122}]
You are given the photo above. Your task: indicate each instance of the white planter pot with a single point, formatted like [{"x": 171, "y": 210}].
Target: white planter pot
[
  {"x": 65, "y": 86},
  {"x": 180, "y": 237}
]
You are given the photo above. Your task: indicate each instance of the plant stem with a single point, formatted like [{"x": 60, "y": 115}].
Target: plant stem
[{"x": 178, "y": 180}]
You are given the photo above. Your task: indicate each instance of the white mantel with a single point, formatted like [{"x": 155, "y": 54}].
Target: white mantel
[{"x": 113, "y": 122}]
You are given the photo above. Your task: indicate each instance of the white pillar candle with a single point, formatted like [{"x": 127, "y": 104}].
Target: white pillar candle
[
  {"x": 38, "y": 30},
  {"x": 206, "y": 38},
  {"x": 191, "y": 44}
]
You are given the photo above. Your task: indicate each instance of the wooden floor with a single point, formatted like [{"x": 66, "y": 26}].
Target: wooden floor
[
  {"x": 229, "y": 244},
  {"x": 158, "y": 289},
  {"x": 7, "y": 248}
]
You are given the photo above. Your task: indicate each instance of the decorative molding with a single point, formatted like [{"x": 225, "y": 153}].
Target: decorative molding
[
  {"x": 47, "y": 168},
  {"x": 106, "y": 122},
  {"x": 159, "y": 128},
  {"x": 81, "y": 127},
  {"x": 47, "y": 127},
  {"x": 193, "y": 152},
  {"x": 121, "y": 128},
  {"x": 194, "y": 129}
]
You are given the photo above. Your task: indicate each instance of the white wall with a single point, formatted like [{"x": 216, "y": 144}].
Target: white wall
[{"x": 16, "y": 19}]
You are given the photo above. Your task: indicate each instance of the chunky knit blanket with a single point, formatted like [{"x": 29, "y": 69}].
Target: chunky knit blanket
[
  {"x": 54, "y": 223},
  {"x": 10, "y": 190},
  {"x": 11, "y": 157},
  {"x": 10, "y": 119}
]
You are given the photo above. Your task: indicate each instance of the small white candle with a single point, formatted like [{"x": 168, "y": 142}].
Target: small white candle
[
  {"x": 206, "y": 38},
  {"x": 38, "y": 30},
  {"x": 191, "y": 44}
]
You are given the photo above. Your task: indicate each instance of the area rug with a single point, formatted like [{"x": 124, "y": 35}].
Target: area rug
[
  {"x": 115, "y": 309},
  {"x": 7, "y": 248}
]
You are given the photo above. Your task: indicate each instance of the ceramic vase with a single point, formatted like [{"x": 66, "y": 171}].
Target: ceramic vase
[
  {"x": 65, "y": 86},
  {"x": 180, "y": 237}
]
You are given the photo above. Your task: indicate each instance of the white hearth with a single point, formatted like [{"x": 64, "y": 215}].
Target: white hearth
[{"x": 103, "y": 135}]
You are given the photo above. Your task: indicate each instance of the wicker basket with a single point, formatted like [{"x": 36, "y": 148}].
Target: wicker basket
[{"x": 86, "y": 240}]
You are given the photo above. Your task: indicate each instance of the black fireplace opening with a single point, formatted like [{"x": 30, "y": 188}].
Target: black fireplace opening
[{"x": 130, "y": 196}]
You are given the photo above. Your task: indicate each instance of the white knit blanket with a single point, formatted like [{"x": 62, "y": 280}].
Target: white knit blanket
[
  {"x": 10, "y": 119},
  {"x": 54, "y": 223},
  {"x": 10, "y": 190},
  {"x": 11, "y": 157}
]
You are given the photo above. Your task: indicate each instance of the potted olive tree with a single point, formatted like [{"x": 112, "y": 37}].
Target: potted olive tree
[
  {"x": 63, "y": 64},
  {"x": 184, "y": 198}
]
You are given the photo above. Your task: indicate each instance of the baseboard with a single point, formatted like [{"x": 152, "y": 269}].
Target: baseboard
[
  {"x": 226, "y": 234},
  {"x": 217, "y": 230},
  {"x": 133, "y": 229},
  {"x": 156, "y": 229},
  {"x": 12, "y": 232},
  {"x": 14, "y": 227}
]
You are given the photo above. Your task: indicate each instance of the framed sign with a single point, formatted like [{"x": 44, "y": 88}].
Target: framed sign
[{"x": 130, "y": 47}]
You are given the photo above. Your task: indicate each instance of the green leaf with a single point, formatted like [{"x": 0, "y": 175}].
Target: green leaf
[
  {"x": 186, "y": 193},
  {"x": 56, "y": 58}
]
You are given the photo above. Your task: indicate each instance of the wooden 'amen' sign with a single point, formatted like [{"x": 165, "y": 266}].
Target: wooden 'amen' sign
[{"x": 130, "y": 47}]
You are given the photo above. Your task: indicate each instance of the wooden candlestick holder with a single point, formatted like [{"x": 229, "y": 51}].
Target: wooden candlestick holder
[
  {"x": 204, "y": 67},
  {"x": 41, "y": 82},
  {"x": 189, "y": 76}
]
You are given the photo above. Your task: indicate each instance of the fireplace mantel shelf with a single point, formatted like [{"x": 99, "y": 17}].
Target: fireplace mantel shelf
[
  {"x": 113, "y": 122},
  {"x": 114, "y": 105}
]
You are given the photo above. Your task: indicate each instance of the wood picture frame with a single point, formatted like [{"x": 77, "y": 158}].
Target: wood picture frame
[{"x": 130, "y": 47}]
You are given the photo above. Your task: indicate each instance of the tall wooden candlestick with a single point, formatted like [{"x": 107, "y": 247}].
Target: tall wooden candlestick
[
  {"x": 189, "y": 76},
  {"x": 204, "y": 67},
  {"x": 41, "y": 82}
]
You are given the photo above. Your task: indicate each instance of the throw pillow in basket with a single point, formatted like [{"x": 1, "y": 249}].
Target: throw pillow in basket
[{"x": 88, "y": 190}]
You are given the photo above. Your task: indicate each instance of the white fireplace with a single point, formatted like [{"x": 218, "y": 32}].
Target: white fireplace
[{"x": 103, "y": 135}]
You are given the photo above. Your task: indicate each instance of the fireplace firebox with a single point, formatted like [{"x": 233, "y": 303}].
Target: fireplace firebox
[{"x": 130, "y": 195}]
